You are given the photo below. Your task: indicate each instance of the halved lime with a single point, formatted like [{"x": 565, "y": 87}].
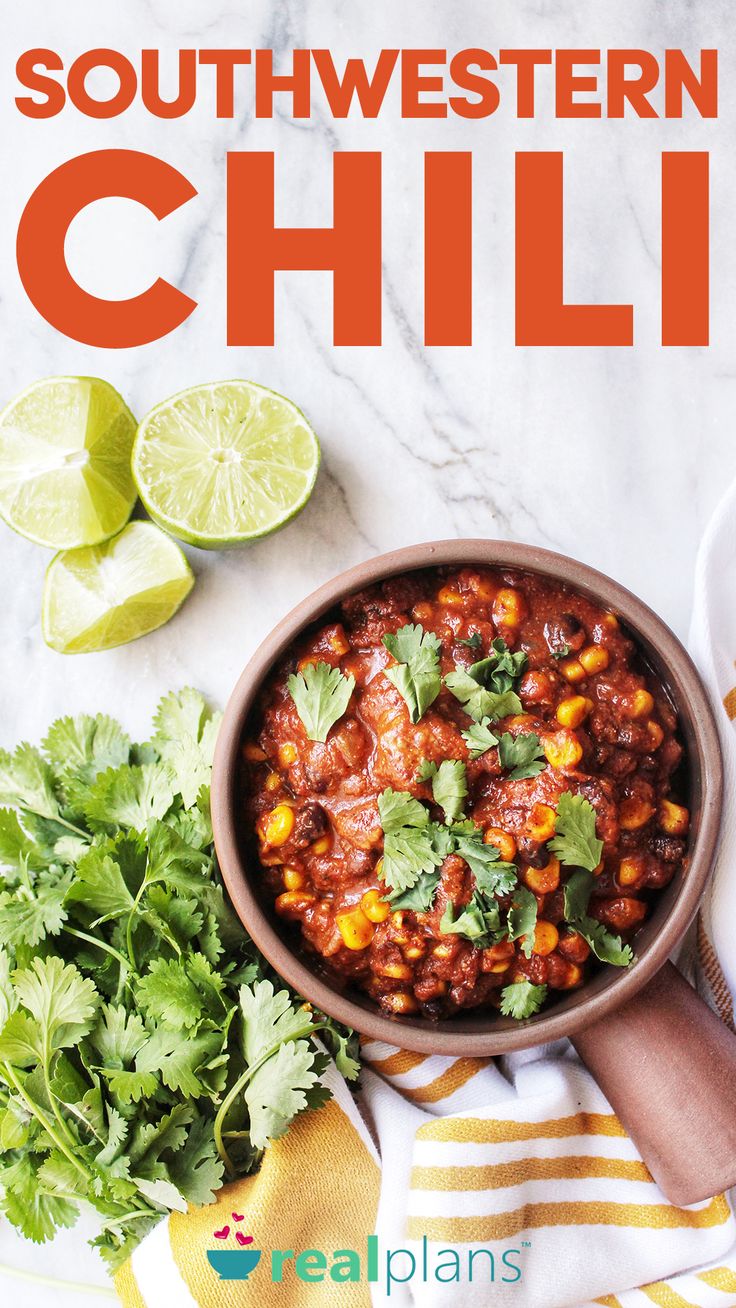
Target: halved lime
[
  {"x": 106, "y": 595},
  {"x": 224, "y": 463},
  {"x": 65, "y": 477}
]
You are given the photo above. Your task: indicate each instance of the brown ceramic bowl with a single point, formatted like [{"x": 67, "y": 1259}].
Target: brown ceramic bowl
[{"x": 481, "y": 1033}]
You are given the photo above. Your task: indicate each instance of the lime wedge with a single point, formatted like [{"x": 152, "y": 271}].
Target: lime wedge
[
  {"x": 106, "y": 595},
  {"x": 65, "y": 476},
  {"x": 224, "y": 463}
]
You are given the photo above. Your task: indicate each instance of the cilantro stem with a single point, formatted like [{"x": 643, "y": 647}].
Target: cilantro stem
[
  {"x": 239, "y": 1085},
  {"x": 130, "y": 1217},
  {"x": 79, "y": 1287},
  {"x": 62, "y": 822},
  {"x": 45, "y": 1123},
  {"x": 99, "y": 944}
]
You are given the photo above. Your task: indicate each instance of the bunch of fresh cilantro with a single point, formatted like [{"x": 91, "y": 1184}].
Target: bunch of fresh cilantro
[{"x": 145, "y": 1055}]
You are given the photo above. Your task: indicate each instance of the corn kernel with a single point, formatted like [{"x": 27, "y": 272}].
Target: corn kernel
[
  {"x": 543, "y": 880},
  {"x": 501, "y": 965},
  {"x": 294, "y": 879},
  {"x": 396, "y": 971},
  {"x": 572, "y": 670},
  {"x": 611, "y": 620},
  {"x": 562, "y": 749},
  {"x": 375, "y": 908},
  {"x": 573, "y": 976},
  {"x": 323, "y": 845},
  {"x": 541, "y": 823},
  {"x": 278, "y": 825},
  {"x": 273, "y": 781},
  {"x": 509, "y": 607},
  {"x": 573, "y": 710},
  {"x": 253, "y": 753},
  {"x": 594, "y": 658},
  {"x": 449, "y": 597},
  {"x": 400, "y": 1002},
  {"x": 546, "y": 937},
  {"x": 498, "y": 958},
  {"x": 641, "y": 704},
  {"x": 634, "y": 813},
  {"x": 338, "y": 642},
  {"x": 397, "y": 919},
  {"x": 484, "y": 588},
  {"x": 504, "y": 842},
  {"x": 293, "y": 902},
  {"x": 656, "y": 735},
  {"x": 287, "y": 754},
  {"x": 442, "y": 951},
  {"x": 631, "y": 871},
  {"x": 422, "y": 612},
  {"x": 414, "y": 951},
  {"x": 355, "y": 929},
  {"x": 673, "y": 818}
]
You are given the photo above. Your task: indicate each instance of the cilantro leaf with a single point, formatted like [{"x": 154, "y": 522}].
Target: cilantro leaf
[
  {"x": 408, "y": 853},
  {"x": 166, "y": 993},
  {"x": 479, "y": 738},
  {"x": 420, "y": 896},
  {"x": 84, "y": 746},
  {"x": 522, "y": 754},
  {"x": 26, "y": 917},
  {"x": 522, "y": 918},
  {"x": 276, "y": 1092},
  {"x": 562, "y": 652},
  {"x": 397, "y": 809},
  {"x": 185, "y": 736},
  {"x": 605, "y": 945},
  {"x": 61, "y": 1003},
  {"x": 195, "y": 1169},
  {"x": 449, "y": 785},
  {"x": 129, "y": 797},
  {"x": 408, "y": 848},
  {"x": 575, "y": 842},
  {"x": 492, "y": 875},
  {"x": 522, "y": 999},
  {"x": 577, "y": 893},
  {"x": 25, "y": 1203},
  {"x": 474, "y": 641},
  {"x": 478, "y": 702},
  {"x": 321, "y": 695},
  {"x": 18, "y": 850},
  {"x": 417, "y": 674},
  {"x": 99, "y": 883},
  {"x": 27, "y": 781},
  {"x": 478, "y": 921}
]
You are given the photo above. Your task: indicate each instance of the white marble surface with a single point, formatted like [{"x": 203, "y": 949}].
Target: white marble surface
[{"x": 616, "y": 456}]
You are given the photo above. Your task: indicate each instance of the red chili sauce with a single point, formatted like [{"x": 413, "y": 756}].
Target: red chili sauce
[{"x": 605, "y": 729}]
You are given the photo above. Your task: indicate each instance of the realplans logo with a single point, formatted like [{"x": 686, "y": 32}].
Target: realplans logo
[{"x": 392, "y": 1267}]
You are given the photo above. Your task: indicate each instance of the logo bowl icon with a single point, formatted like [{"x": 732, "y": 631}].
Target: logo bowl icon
[{"x": 233, "y": 1264}]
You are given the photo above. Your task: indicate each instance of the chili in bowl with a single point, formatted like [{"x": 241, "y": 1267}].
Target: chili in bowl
[
  {"x": 472, "y": 788},
  {"x": 464, "y": 789}
]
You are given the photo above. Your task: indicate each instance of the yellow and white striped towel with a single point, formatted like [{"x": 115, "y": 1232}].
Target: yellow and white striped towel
[{"x": 466, "y": 1154}]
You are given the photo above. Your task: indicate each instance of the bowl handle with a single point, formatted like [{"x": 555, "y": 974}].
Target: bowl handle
[{"x": 667, "y": 1065}]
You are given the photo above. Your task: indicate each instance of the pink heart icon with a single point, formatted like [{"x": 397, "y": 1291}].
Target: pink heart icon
[
  {"x": 223, "y": 1234},
  {"x": 238, "y": 1217},
  {"x": 243, "y": 1239}
]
